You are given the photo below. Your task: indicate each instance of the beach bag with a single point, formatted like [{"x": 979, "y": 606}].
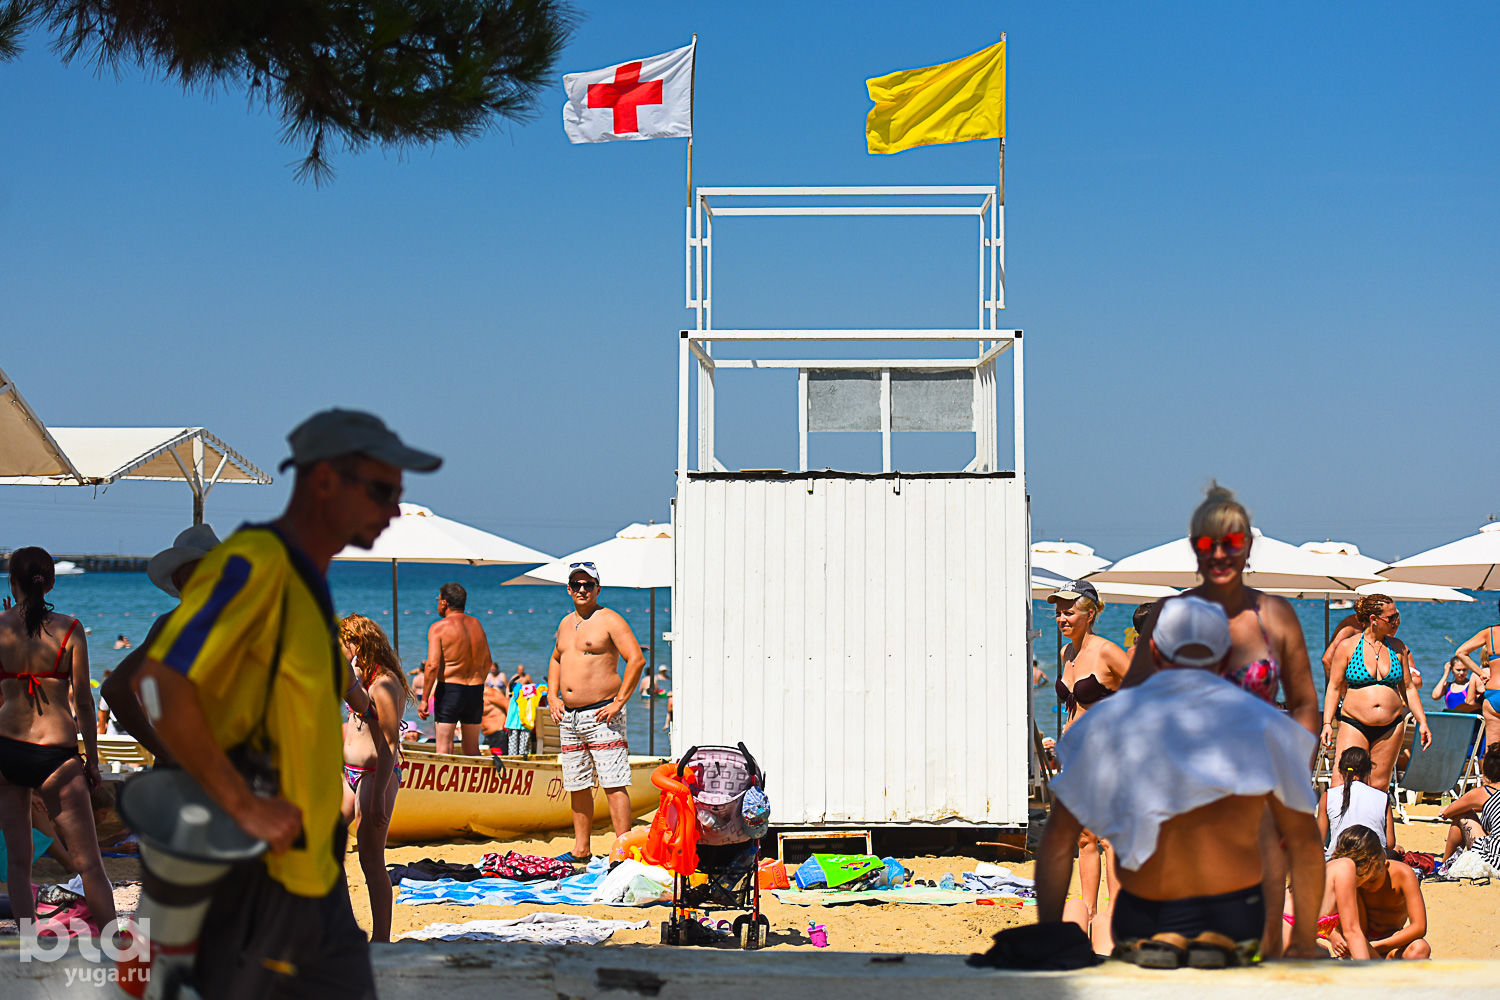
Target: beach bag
[{"x": 1470, "y": 864}]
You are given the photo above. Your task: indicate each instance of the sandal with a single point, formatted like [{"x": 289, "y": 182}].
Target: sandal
[
  {"x": 1160, "y": 951},
  {"x": 1210, "y": 950},
  {"x": 569, "y": 858}
]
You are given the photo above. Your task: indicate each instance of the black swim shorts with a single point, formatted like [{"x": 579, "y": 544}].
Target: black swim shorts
[
  {"x": 1239, "y": 915},
  {"x": 459, "y": 703},
  {"x": 259, "y": 940}
]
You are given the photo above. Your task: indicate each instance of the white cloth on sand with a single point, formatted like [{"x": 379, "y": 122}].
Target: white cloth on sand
[
  {"x": 539, "y": 928},
  {"x": 634, "y": 884},
  {"x": 1179, "y": 741}
]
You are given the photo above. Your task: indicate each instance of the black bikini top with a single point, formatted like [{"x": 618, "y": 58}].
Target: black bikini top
[{"x": 1086, "y": 692}]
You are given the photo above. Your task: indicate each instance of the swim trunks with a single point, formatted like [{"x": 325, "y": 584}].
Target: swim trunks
[
  {"x": 589, "y": 749},
  {"x": 1239, "y": 915},
  {"x": 459, "y": 703}
]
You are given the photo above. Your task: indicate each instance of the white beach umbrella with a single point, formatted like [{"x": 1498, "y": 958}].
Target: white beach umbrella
[
  {"x": 640, "y": 557},
  {"x": 1273, "y": 564},
  {"x": 1470, "y": 563},
  {"x": 419, "y": 535},
  {"x": 1044, "y": 584},
  {"x": 1069, "y": 560}
]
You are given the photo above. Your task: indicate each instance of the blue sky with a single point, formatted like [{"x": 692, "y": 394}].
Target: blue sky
[{"x": 1256, "y": 242}]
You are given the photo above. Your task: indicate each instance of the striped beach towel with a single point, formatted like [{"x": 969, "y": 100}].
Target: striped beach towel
[{"x": 575, "y": 890}]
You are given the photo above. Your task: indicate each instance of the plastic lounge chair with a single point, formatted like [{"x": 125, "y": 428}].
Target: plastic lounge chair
[{"x": 1437, "y": 769}]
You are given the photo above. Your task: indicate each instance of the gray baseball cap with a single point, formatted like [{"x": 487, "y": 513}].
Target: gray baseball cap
[
  {"x": 332, "y": 433},
  {"x": 1074, "y": 589}
]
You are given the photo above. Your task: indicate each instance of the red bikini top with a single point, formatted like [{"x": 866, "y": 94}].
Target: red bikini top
[{"x": 32, "y": 679}]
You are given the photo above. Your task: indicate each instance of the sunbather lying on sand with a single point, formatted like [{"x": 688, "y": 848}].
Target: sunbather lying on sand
[{"x": 1381, "y": 913}]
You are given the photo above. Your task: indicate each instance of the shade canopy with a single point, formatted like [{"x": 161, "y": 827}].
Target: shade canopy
[
  {"x": 1069, "y": 560},
  {"x": 1348, "y": 554},
  {"x": 1469, "y": 563},
  {"x": 1044, "y": 584},
  {"x": 638, "y": 557},
  {"x": 418, "y": 535},
  {"x": 31, "y": 454},
  {"x": 1273, "y": 565}
]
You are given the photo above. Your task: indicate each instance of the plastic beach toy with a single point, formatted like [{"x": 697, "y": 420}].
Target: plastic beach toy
[
  {"x": 817, "y": 934},
  {"x": 673, "y": 841}
]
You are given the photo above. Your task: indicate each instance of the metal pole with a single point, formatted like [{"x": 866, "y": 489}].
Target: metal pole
[
  {"x": 651, "y": 701},
  {"x": 395, "y": 621},
  {"x": 1059, "y": 677},
  {"x": 1327, "y": 637}
]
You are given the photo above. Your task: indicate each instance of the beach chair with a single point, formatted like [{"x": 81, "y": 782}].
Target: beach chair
[
  {"x": 1437, "y": 769},
  {"x": 121, "y": 753},
  {"x": 728, "y": 856}
]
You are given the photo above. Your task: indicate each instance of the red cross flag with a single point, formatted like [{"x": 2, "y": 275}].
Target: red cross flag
[{"x": 649, "y": 98}]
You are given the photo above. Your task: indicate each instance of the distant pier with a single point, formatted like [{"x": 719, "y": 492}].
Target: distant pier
[{"x": 92, "y": 563}]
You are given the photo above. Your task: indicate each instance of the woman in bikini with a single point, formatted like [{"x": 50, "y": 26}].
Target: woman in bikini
[
  {"x": 368, "y": 801},
  {"x": 1475, "y": 815},
  {"x": 1371, "y": 689},
  {"x": 1093, "y": 668},
  {"x": 1458, "y": 689},
  {"x": 1379, "y": 904},
  {"x": 1487, "y": 642},
  {"x": 44, "y": 681}
]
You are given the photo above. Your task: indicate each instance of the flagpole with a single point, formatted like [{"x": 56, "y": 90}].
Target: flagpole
[
  {"x": 1000, "y": 213},
  {"x": 692, "y": 97}
]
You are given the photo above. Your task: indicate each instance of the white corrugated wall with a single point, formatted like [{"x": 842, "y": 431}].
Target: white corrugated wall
[{"x": 864, "y": 636}]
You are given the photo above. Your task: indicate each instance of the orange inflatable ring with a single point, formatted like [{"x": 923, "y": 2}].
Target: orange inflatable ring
[{"x": 630, "y": 845}]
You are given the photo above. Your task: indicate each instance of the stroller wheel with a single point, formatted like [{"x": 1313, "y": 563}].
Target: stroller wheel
[
  {"x": 669, "y": 933},
  {"x": 757, "y": 932}
]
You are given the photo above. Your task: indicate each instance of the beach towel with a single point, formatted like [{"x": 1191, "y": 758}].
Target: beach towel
[
  {"x": 540, "y": 928},
  {"x": 39, "y": 844},
  {"x": 835, "y": 870},
  {"x": 575, "y": 891},
  {"x": 994, "y": 879},
  {"x": 895, "y": 894},
  {"x": 1179, "y": 741}
]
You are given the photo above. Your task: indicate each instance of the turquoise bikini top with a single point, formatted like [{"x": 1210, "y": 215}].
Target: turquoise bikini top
[{"x": 1357, "y": 674}]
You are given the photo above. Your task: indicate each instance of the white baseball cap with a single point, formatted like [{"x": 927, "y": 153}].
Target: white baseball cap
[{"x": 1191, "y": 632}]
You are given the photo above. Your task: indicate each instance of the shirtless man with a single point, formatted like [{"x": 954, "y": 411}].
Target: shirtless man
[
  {"x": 587, "y": 699},
  {"x": 1182, "y": 804},
  {"x": 458, "y": 657},
  {"x": 1379, "y": 904},
  {"x": 496, "y": 706}
]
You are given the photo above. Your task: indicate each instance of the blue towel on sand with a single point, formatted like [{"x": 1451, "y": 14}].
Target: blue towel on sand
[{"x": 572, "y": 891}]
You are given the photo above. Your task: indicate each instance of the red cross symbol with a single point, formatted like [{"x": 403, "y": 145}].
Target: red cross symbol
[{"x": 624, "y": 95}]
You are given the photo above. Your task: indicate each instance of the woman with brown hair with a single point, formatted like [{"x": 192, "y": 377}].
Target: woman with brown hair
[
  {"x": 1372, "y": 687},
  {"x": 1093, "y": 668},
  {"x": 44, "y": 681},
  {"x": 372, "y": 754}
]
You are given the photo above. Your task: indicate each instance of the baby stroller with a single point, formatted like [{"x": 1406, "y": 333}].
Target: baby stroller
[{"x": 728, "y": 847}]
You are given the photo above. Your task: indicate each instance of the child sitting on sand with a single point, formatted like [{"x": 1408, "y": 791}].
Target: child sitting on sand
[
  {"x": 1379, "y": 905},
  {"x": 1355, "y": 803}
]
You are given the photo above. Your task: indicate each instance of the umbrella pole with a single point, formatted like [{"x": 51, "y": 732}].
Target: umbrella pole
[
  {"x": 651, "y": 701},
  {"x": 1326, "y": 636},
  {"x": 395, "y": 622},
  {"x": 1058, "y": 713}
]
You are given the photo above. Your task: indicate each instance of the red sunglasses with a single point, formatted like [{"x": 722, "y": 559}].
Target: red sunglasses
[{"x": 1233, "y": 542}]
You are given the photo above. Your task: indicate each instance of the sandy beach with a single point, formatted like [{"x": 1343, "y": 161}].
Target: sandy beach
[{"x": 1461, "y": 917}]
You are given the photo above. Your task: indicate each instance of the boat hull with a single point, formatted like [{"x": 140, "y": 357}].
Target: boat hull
[{"x": 447, "y": 796}]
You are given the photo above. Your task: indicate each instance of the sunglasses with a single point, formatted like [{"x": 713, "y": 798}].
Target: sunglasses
[
  {"x": 1390, "y": 619},
  {"x": 1234, "y": 543},
  {"x": 380, "y": 492},
  {"x": 583, "y": 586}
]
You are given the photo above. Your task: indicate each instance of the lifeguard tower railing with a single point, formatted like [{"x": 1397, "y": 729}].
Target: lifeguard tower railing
[
  {"x": 865, "y": 634},
  {"x": 835, "y": 394}
]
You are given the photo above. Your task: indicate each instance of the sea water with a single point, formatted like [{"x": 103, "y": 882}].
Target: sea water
[{"x": 521, "y": 624}]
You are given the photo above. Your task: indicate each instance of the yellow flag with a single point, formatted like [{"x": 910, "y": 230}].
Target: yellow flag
[{"x": 953, "y": 102}]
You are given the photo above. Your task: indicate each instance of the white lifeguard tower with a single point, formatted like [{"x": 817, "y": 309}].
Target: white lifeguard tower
[{"x": 866, "y": 635}]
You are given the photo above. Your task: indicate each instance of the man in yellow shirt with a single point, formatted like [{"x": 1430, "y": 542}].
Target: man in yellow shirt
[{"x": 244, "y": 685}]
